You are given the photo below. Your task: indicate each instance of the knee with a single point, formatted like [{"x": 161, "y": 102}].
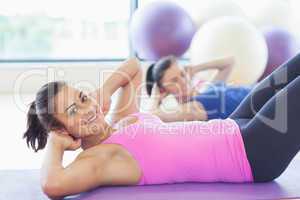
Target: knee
[{"x": 267, "y": 175}]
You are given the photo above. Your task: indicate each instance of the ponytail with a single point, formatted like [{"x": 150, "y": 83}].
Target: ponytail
[
  {"x": 40, "y": 118},
  {"x": 36, "y": 134},
  {"x": 149, "y": 79}
]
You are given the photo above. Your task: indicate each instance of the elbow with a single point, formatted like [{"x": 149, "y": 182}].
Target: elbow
[
  {"x": 134, "y": 62},
  {"x": 53, "y": 190},
  {"x": 231, "y": 62},
  {"x": 133, "y": 67},
  {"x": 139, "y": 69}
]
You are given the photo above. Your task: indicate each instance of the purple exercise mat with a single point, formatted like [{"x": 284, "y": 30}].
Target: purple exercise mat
[{"x": 24, "y": 185}]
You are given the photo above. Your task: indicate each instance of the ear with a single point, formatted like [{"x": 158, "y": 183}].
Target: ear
[{"x": 162, "y": 90}]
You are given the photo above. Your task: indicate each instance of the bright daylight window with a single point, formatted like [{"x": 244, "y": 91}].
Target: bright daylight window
[{"x": 38, "y": 30}]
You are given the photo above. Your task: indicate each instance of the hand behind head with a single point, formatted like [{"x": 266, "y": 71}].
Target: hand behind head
[{"x": 64, "y": 140}]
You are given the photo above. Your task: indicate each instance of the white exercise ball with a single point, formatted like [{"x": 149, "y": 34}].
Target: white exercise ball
[
  {"x": 205, "y": 10},
  {"x": 275, "y": 13},
  {"x": 231, "y": 36}
]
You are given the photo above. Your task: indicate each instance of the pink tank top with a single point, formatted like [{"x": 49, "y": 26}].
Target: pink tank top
[{"x": 192, "y": 151}]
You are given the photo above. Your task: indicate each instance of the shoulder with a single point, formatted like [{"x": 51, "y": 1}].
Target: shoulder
[
  {"x": 110, "y": 164},
  {"x": 100, "y": 152},
  {"x": 126, "y": 121},
  {"x": 105, "y": 153},
  {"x": 115, "y": 164}
]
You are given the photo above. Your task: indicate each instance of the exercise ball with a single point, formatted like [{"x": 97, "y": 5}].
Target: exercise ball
[
  {"x": 267, "y": 12},
  {"x": 159, "y": 29},
  {"x": 282, "y": 45},
  {"x": 232, "y": 36},
  {"x": 206, "y": 10}
]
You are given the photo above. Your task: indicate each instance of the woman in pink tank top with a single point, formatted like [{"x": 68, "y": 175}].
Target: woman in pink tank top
[
  {"x": 186, "y": 151},
  {"x": 255, "y": 144}
]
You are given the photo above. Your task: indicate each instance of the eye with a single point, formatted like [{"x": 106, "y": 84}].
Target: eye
[
  {"x": 73, "y": 110},
  {"x": 84, "y": 98}
]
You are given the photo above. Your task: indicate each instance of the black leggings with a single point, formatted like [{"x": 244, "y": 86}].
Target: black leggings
[{"x": 269, "y": 119}]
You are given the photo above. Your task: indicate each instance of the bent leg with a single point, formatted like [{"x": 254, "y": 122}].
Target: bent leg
[
  {"x": 272, "y": 136},
  {"x": 267, "y": 88}
]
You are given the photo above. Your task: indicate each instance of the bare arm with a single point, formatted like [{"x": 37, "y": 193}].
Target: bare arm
[
  {"x": 128, "y": 77},
  {"x": 92, "y": 168},
  {"x": 58, "y": 181},
  {"x": 189, "y": 111},
  {"x": 51, "y": 168},
  {"x": 223, "y": 65}
]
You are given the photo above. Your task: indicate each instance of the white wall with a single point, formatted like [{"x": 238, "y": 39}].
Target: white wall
[{"x": 28, "y": 77}]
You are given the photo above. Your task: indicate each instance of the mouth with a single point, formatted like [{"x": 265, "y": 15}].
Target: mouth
[{"x": 94, "y": 116}]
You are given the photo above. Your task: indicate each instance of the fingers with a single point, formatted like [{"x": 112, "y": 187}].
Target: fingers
[{"x": 76, "y": 144}]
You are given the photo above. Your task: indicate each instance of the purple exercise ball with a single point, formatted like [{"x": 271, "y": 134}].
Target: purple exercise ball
[
  {"x": 282, "y": 45},
  {"x": 159, "y": 29}
]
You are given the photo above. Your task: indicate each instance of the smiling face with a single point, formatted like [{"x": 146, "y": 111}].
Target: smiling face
[
  {"x": 79, "y": 113},
  {"x": 175, "y": 81}
]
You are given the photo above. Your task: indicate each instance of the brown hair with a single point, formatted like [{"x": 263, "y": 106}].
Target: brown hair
[
  {"x": 40, "y": 119},
  {"x": 156, "y": 71}
]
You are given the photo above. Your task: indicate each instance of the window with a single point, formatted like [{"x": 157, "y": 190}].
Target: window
[
  {"x": 47, "y": 30},
  {"x": 81, "y": 30}
]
